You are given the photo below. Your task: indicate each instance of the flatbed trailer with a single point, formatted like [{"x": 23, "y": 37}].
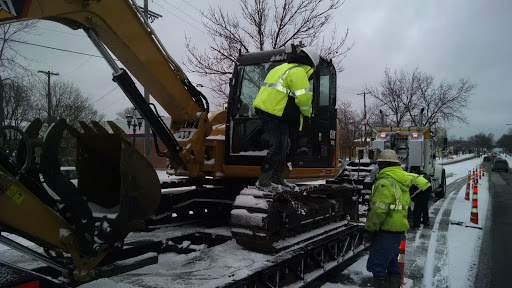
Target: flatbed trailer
[{"x": 192, "y": 256}]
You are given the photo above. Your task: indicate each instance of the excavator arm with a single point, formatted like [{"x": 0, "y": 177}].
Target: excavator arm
[{"x": 119, "y": 26}]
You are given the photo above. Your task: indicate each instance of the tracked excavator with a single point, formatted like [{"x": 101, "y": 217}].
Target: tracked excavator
[{"x": 218, "y": 152}]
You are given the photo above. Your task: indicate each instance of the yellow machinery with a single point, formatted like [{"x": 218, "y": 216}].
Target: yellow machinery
[{"x": 224, "y": 148}]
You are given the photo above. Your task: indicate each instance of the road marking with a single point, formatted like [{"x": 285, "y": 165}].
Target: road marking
[{"x": 429, "y": 261}]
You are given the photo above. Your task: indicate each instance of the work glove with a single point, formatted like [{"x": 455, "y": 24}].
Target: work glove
[{"x": 368, "y": 236}]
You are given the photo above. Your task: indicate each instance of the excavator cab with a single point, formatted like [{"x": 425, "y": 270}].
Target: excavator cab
[{"x": 314, "y": 147}]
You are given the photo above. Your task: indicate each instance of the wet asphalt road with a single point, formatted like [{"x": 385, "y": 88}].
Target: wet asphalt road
[{"x": 494, "y": 265}]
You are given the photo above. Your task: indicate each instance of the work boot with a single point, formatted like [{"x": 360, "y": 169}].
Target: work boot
[
  {"x": 395, "y": 280},
  {"x": 264, "y": 181},
  {"x": 278, "y": 177},
  {"x": 381, "y": 282}
]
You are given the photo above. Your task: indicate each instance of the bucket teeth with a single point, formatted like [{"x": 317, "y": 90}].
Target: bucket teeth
[
  {"x": 87, "y": 129},
  {"x": 112, "y": 174},
  {"x": 99, "y": 128},
  {"x": 117, "y": 130}
]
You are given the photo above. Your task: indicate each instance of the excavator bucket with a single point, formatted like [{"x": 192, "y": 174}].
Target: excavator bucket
[{"x": 121, "y": 184}]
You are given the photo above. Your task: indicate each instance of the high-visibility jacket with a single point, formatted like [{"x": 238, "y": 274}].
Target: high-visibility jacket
[
  {"x": 286, "y": 80},
  {"x": 389, "y": 201},
  {"x": 419, "y": 182}
]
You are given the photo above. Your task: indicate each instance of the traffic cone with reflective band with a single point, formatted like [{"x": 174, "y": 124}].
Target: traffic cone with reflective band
[
  {"x": 401, "y": 259},
  {"x": 474, "y": 206},
  {"x": 480, "y": 172},
  {"x": 476, "y": 175},
  {"x": 468, "y": 186},
  {"x": 483, "y": 171}
]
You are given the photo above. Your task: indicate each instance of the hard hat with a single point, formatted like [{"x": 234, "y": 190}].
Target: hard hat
[
  {"x": 388, "y": 156},
  {"x": 312, "y": 54}
]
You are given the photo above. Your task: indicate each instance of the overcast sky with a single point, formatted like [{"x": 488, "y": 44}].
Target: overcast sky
[{"x": 447, "y": 39}]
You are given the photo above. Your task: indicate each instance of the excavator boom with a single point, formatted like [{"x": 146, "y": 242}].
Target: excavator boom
[
  {"x": 142, "y": 55},
  {"x": 130, "y": 38}
]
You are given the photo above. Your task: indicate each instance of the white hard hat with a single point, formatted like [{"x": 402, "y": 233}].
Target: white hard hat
[
  {"x": 313, "y": 55},
  {"x": 388, "y": 156}
]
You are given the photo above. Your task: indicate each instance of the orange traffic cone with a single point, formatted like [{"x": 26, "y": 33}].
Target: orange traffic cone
[
  {"x": 474, "y": 209},
  {"x": 480, "y": 172},
  {"x": 401, "y": 259},
  {"x": 468, "y": 186},
  {"x": 483, "y": 171}
]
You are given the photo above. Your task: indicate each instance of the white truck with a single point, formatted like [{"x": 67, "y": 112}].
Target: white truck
[{"x": 415, "y": 148}]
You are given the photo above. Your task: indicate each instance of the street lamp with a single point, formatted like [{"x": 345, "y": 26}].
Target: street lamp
[{"x": 137, "y": 122}]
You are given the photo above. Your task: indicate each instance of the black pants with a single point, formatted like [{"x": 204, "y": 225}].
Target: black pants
[
  {"x": 278, "y": 134},
  {"x": 420, "y": 213}
]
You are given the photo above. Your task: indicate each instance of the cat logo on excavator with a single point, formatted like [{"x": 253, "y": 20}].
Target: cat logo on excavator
[{"x": 10, "y": 9}]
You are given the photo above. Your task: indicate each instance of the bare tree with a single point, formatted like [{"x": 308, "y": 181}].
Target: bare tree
[
  {"x": 505, "y": 141},
  {"x": 68, "y": 103},
  {"x": 482, "y": 142},
  {"x": 397, "y": 93},
  {"x": 404, "y": 96},
  {"x": 18, "y": 104},
  {"x": 10, "y": 58},
  {"x": 350, "y": 127},
  {"x": 262, "y": 26},
  {"x": 445, "y": 101},
  {"x": 127, "y": 111}
]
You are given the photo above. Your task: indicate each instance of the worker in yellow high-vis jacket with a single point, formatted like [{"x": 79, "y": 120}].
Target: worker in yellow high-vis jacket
[
  {"x": 285, "y": 97},
  {"x": 386, "y": 222}
]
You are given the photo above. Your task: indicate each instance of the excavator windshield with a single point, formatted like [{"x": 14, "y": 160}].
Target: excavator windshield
[{"x": 312, "y": 147}]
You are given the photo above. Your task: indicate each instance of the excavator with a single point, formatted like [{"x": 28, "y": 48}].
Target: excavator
[{"x": 218, "y": 153}]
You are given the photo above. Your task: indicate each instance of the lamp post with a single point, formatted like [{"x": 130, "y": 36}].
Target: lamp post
[{"x": 137, "y": 122}]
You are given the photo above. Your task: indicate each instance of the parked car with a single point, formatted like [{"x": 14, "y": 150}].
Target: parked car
[
  {"x": 487, "y": 158},
  {"x": 499, "y": 164}
]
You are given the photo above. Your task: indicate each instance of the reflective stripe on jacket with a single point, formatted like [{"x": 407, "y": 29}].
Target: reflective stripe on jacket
[
  {"x": 389, "y": 201},
  {"x": 285, "y": 80}
]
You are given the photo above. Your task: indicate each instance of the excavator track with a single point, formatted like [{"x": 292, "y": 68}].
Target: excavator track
[{"x": 270, "y": 222}]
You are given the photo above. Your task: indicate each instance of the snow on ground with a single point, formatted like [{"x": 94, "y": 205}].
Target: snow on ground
[{"x": 458, "y": 263}]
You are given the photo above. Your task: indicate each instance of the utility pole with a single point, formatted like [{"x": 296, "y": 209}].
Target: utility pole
[
  {"x": 49, "y": 95},
  {"x": 147, "y": 137},
  {"x": 365, "y": 120}
]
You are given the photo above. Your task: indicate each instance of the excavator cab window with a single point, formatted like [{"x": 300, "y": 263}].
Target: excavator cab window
[
  {"x": 248, "y": 134},
  {"x": 248, "y": 143}
]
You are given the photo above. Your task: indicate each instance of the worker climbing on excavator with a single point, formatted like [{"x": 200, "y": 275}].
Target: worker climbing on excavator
[{"x": 283, "y": 101}]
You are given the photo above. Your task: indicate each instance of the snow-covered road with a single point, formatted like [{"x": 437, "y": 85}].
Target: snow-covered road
[{"x": 444, "y": 254}]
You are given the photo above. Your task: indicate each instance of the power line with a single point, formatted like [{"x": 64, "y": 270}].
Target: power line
[
  {"x": 181, "y": 18},
  {"x": 186, "y": 2},
  {"x": 80, "y": 65},
  {"x": 183, "y": 12},
  {"x": 59, "y": 49},
  {"x": 108, "y": 106},
  {"x": 106, "y": 94}
]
